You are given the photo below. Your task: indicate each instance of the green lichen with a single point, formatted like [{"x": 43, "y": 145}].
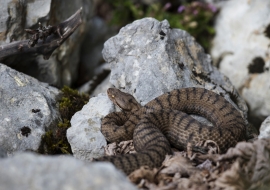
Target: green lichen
[{"x": 54, "y": 141}]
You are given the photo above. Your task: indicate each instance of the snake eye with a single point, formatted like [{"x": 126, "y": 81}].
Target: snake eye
[{"x": 112, "y": 96}]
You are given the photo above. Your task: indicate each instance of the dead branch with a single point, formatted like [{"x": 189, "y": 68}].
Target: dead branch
[{"x": 44, "y": 40}]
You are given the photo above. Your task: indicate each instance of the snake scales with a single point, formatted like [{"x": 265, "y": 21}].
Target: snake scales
[{"x": 164, "y": 121}]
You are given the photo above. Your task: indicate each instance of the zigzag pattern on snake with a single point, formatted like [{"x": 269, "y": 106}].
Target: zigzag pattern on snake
[{"x": 164, "y": 122}]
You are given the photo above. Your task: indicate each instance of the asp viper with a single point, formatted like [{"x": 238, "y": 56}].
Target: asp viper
[{"x": 164, "y": 121}]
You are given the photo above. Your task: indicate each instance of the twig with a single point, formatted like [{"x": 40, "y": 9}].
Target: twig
[{"x": 44, "y": 40}]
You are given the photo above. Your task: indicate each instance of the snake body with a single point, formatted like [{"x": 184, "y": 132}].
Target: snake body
[{"x": 164, "y": 121}]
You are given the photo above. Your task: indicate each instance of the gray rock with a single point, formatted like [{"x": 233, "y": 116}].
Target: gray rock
[
  {"x": 29, "y": 171},
  {"x": 243, "y": 50},
  {"x": 148, "y": 58},
  {"x": 265, "y": 129},
  {"x": 84, "y": 135},
  {"x": 62, "y": 67},
  {"x": 3, "y": 153},
  {"x": 28, "y": 107}
]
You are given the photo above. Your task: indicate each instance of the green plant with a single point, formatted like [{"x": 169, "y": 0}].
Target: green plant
[{"x": 196, "y": 17}]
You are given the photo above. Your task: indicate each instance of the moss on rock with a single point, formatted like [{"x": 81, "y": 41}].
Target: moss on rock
[{"x": 54, "y": 141}]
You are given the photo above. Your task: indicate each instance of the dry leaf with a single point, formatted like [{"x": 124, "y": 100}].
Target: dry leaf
[
  {"x": 143, "y": 172},
  {"x": 247, "y": 166},
  {"x": 177, "y": 164},
  {"x": 124, "y": 147},
  {"x": 251, "y": 168},
  {"x": 110, "y": 149},
  {"x": 234, "y": 179}
]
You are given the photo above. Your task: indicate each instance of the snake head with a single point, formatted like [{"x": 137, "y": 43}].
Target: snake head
[{"x": 123, "y": 100}]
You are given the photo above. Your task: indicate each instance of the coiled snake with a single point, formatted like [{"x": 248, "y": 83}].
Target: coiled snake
[{"x": 164, "y": 121}]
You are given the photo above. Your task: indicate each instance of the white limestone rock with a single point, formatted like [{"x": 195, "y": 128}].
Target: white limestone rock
[
  {"x": 242, "y": 44},
  {"x": 84, "y": 135}
]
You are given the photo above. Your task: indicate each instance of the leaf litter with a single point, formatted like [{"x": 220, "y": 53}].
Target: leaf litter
[{"x": 246, "y": 166}]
